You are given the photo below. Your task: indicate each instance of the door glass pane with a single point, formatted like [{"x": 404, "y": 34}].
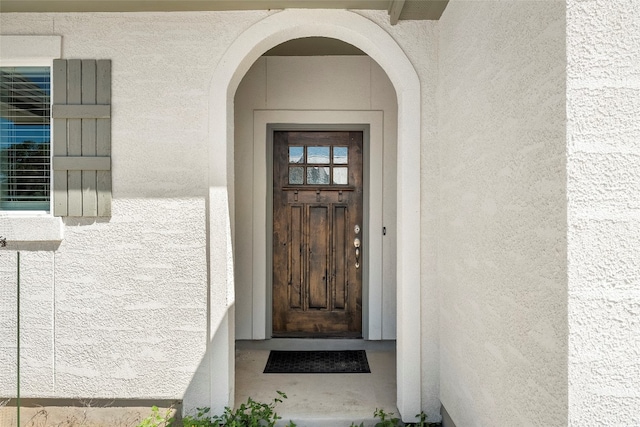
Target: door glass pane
[
  {"x": 296, "y": 175},
  {"x": 318, "y": 155},
  {"x": 340, "y": 155},
  {"x": 296, "y": 154},
  {"x": 317, "y": 175},
  {"x": 340, "y": 176}
]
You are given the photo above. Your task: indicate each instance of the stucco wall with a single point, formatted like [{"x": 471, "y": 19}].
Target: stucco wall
[
  {"x": 502, "y": 213},
  {"x": 419, "y": 41},
  {"x": 603, "y": 152},
  {"x": 119, "y": 308},
  {"x": 345, "y": 83},
  {"x": 122, "y": 303}
]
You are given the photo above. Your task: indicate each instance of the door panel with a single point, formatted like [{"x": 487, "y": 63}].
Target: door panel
[
  {"x": 318, "y": 257},
  {"x": 317, "y": 204},
  {"x": 296, "y": 264},
  {"x": 340, "y": 221}
]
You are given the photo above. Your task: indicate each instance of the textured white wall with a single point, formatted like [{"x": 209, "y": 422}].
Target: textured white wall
[
  {"x": 126, "y": 297},
  {"x": 501, "y": 222},
  {"x": 36, "y": 318},
  {"x": 310, "y": 83},
  {"x": 419, "y": 41},
  {"x": 502, "y": 213},
  {"x": 119, "y": 309},
  {"x": 603, "y": 151}
]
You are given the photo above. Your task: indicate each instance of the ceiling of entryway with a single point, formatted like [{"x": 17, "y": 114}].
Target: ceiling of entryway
[
  {"x": 314, "y": 46},
  {"x": 397, "y": 9}
]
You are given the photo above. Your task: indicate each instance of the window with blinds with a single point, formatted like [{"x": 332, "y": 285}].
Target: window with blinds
[{"x": 25, "y": 130}]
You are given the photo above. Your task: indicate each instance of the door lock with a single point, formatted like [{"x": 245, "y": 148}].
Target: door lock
[{"x": 356, "y": 244}]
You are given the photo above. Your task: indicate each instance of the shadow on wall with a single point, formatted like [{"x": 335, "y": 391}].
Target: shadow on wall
[
  {"x": 203, "y": 389},
  {"x": 80, "y": 222}
]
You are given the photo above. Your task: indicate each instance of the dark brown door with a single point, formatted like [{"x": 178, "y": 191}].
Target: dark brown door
[{"x": 317, "y": 217}]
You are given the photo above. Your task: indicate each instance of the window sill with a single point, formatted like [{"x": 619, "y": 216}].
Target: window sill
[{"x": 30, "y": 227}]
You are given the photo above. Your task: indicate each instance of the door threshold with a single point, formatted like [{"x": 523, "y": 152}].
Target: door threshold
[{"x": 301, "y": 344}]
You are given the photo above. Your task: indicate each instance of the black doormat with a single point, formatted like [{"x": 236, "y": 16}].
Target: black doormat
[{"x": 317, "y": 362}]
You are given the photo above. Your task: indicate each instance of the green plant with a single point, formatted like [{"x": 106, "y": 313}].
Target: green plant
[
  {"x": 201, "y": 419},
  {"x": 423, "y": 421},
  {"x": 156, "y": 419},
  {"x": 249, "y": 414},
  {"x": 386, "y": 419}
]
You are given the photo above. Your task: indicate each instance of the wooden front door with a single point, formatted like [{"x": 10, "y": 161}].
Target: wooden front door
[{"x": 317, "y": 217}]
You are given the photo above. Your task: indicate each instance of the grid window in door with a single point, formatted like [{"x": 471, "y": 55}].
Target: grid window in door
[{"x": 318, "y": 165}]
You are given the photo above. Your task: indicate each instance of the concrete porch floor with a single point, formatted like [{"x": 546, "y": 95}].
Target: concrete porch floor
[{"x": 319, "y": 399}]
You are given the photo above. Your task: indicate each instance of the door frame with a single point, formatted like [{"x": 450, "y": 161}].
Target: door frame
[{"x": 266, "y": 122}]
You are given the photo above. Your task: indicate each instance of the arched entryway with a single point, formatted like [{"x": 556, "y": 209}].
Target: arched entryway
[{"x": 243, "y": 52}]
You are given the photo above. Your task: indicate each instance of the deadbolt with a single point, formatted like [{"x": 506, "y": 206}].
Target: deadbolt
[{"x": 356, "y": 229}]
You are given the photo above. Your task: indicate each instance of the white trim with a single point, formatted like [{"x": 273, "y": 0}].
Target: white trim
[
  {"x": 30, "y": 227},
  {"x": 382, "y": 48},
  {"x": 286, "y": 119}
]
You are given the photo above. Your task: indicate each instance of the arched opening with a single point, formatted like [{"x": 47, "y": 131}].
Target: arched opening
[{"x": 241, "y": 55}]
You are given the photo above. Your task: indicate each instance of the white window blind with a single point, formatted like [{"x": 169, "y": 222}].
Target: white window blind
[{"x": 25, "y": 135}]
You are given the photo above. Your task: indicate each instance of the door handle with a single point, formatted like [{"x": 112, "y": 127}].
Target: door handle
[{"x": 356, "y": 244}]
